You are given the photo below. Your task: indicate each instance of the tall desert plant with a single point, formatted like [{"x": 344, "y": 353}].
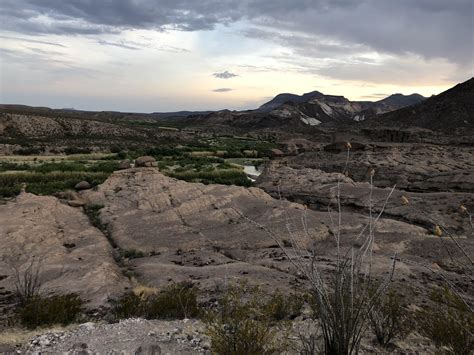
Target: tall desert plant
[
  {"x": 27, "y": 281},
  {"x": 343, "y": 297}
]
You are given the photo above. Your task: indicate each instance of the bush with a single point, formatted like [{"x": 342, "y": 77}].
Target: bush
[
  {"x": 29, "y": 151},
  {"x": 450, "y": 324},
  {"x": 47, "y": 311},
  {"x": 284, "y": 307},
  {"x": 47, "y": 184},
  {"x": 389, "y": 319},
  {"x": 27, "y": 282},
  {"x": 129, "y": 305},
  {"x": 76, "y": 150},
  {"x": 131, "y": 254},
  {"x": 242, "y": 324},
  {"x": 177, "y": 301}
]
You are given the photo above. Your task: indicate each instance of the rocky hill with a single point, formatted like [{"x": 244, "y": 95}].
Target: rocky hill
[
  {"x": 315, "y": 108},
  {"x": 450, "y": 111}
]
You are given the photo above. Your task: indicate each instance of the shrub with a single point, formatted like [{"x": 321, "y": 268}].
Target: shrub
[
  {"x": 49, "y": 183},
  {"x": 242, "y": 324},
  {"x": 131, "y": 254},
  {"x": 29, "y": 151},
  {"x": 389, "y": 319},
  {"x": 128, "y": 306},
  {"x": 27, "y": 282},
  {"x": 450, "y": 324},
  {"x": 76, "y": 150},
  {"x": 284, "y": 307},
  {"x": 46, "y": 311},
  {"x": 177, "y": 301}
]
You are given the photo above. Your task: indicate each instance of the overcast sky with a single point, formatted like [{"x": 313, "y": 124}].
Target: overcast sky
[{"x": 166, "y": 55}]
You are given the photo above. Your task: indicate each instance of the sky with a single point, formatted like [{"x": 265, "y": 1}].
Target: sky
[{"x": 170, "y": 55}]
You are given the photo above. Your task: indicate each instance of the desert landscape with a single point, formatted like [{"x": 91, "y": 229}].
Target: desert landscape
[
  {"x": 236, "y": 177},
  {"x": 198, "y": 206}
]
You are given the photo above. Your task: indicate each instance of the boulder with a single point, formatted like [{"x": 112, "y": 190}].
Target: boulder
[
  {"x": 145, "y": 161},
  {"x": 83, "y": 185},
  {"x": 276, "y": 153},
  {"x": 125, "y": 164}
]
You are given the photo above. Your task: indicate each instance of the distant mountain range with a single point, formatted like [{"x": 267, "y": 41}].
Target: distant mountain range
[{"x": 447, "y": 112}]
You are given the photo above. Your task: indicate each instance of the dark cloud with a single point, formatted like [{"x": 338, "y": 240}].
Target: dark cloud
[
  {"x": 225, "y": 75},
  {"x": 429, "y": 28},
  {"x": 223, "y": 90}
]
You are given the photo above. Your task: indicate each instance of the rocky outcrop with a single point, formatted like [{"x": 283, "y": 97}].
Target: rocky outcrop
[
  {"x": 414, "y": 167},
  {"x": 210, "y": 234},
  {"x": 72, "y": 255},
  {"x": 320, "y": 190}
]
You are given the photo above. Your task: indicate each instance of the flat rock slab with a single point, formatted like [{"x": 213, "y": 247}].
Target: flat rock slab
[
  {"x": 207, "y": 233},
  {"x": 204, "y": 233},
  {"x": 73, "y": 256},
  {"x": 146, "y": 211}
]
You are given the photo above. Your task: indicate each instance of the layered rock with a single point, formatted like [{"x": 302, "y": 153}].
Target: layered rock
[
  {"x": 320, "y": 190},
  {"x": 414, "y": 167},
  {"x": 71, "y": 255},
  {"x": 210, "y": 233}
]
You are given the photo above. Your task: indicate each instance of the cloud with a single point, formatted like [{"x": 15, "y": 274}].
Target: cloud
[
  {"x": 117, "y": 44},
  {"x": 223, "y": 90},
  {"x": 428, "y": 28},
  {"x": 28, "y": 40},
  {"x": 225, "y": 75}
]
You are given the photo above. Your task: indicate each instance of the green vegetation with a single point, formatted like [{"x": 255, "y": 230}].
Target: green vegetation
[
  {"x": 46, "y": 178},
  {"x": 449, "y": 324},
  {"x": 389, "y": 319},
  {"x": 131, "y": 254},
  {"x": 244, "y": 323},
  {"x": 209, "y": 161},
  {"x": 215, "y": 176},
  {"x": 41, "y": 311},
  {"x": 177, "y": 301},
  {"x": 46, "y": 184},
  {"x": 284, "y": 307}
]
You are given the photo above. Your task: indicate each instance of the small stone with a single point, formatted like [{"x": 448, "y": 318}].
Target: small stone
[
  {"x": 87, "y": 326},
  {"x": 76, "y": 203}
]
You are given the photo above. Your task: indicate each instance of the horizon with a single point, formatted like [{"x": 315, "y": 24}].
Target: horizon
[
  {"x": 186, "y": 110},
  {"x": 155, "y": 56}
]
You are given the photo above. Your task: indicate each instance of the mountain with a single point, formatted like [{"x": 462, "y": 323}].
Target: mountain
[
  {"x": 315, "y": 108},
  {"x": 401, "y": 100},
  {"x": 448, "y": 111},
  {"x": 281, "y": 99}
]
